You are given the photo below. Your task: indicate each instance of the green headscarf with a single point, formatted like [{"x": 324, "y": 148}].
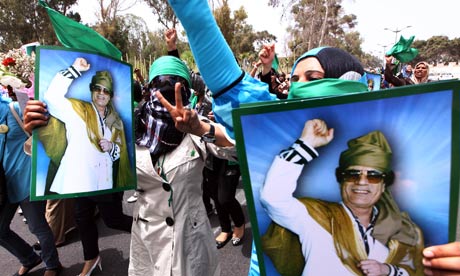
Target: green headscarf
[
  {"x": 169, "y": 65},
  {"x": 371, "y": 150}
]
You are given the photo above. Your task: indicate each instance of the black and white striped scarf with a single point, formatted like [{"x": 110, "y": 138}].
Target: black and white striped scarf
[{"x": 159, "y": 133}]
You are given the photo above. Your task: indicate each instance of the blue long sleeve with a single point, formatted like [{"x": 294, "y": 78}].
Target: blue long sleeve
[
  {"x": 212, "y": 54},
  {"x": 217, "y": 64}
]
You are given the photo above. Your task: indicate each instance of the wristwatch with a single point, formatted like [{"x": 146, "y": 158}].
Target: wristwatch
[{"x": 209, "y": 137}]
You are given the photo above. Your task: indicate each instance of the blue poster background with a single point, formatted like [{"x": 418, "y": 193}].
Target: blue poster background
[
  {"x": 54, "y": 59},
  {"x": 417, "y": 127}
]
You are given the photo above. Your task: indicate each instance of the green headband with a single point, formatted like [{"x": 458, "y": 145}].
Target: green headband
[
  {"x": 370, "y": 150},
  {"x": 169, "y": 65}
]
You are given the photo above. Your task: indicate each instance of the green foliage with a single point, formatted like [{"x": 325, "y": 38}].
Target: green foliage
[
  {"x": 438, "y": 49},
  {"x": 320, "y": 23},
  {"x": 187, "y": 57},
  {"x": 315, "y": 23},
  {"x": 164, "y": 13},
  {"x": 243, "y": 40},
  {"x": 24, "y": 22}
]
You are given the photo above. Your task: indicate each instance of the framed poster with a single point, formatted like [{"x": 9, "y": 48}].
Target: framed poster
[
  {"x": 420, "y": 122},
  {"x": 373, "y": 81},
  {"x": 87, "y": 146}
]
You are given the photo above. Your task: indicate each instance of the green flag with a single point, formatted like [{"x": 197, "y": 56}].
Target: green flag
[
  {"x": 402, "y": 50},
  {"x": 75, "y": 35},
  {"x": 275, "y": 63}
]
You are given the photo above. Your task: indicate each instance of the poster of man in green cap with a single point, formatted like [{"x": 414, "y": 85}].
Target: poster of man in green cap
[
  {"x": 87, "y": 146},
  {"x": 369, "y": 173}
]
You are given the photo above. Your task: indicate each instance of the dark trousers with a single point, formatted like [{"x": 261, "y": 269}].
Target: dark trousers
[
  {"x": 34, "y": 212},
  {"x": 111, "y": 211},
  {"x": 221, "y": 183}
]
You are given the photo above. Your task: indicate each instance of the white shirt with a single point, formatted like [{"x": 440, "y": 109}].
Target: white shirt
[
  {"x": 83, "y": 168},
  {"x": 317, "y": 244}
]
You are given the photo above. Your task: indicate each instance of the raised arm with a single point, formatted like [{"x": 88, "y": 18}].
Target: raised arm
[
  {"x": 171, "y": 42},
  {"x": 58, "y": 105},
  {"x": 208, "y": 45},
  {"x": 255, "y": 67},
  {"x": 388, "y": 73},
  {"x": 229, "y": 84},
  {"x": 266, "y": 57},
  {"x": 281, "y": 180}
]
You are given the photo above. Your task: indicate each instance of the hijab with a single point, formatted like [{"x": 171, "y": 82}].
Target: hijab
[
  {"x": 343, "y": 73},
  {"x": 424, "y": 79}
]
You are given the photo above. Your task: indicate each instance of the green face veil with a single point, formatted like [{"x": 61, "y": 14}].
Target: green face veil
[
  {"x": 370, "y": 150},
  {"x": 324, "y": 88}
]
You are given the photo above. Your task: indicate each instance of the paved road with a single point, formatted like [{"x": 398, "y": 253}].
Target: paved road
[{"x": 114, "y": 246}]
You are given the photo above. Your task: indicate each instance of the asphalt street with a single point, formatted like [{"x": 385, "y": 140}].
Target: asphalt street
[{"x": 114, "y": 249}]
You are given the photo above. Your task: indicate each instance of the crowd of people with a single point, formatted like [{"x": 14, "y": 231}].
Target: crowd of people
[
  {"x": 393, "y": 74},
  {"x": 186, "y": 157}
]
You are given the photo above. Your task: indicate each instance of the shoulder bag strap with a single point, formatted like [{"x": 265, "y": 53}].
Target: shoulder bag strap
[{"x": 16, "y": 116}]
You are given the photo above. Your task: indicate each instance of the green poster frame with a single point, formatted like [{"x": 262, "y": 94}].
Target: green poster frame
[
  {"x": 256, "y": 123},
  {"x": 49, "y": 61}
]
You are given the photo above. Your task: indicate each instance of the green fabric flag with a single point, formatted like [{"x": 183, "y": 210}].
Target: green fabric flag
[
  {"x": 402, "y": 50},
  {"x": 275, "y": 63},
  {"x": 75, "y": 35}
]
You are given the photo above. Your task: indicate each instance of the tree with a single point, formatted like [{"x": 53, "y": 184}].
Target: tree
[
  {"x": 241, "y": 37},
  {"x": 320, "y": 23},
  {"x": 434, "y": 50},
  {"x": 112, "y": 26},
  {"x": 454, "y": 48},
  {"x": 164, "y": 12},
  {"x": 129, "y": 33},
  {"x": 24, "y": 22}
]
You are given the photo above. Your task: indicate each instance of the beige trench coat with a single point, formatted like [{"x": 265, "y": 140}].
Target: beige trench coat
[{"x": 171, "y": 233}]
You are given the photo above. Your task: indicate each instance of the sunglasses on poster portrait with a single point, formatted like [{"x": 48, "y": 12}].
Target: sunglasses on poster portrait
[
  {"x": 100, "y": 88},
  {"x": 372, "y": 176}
]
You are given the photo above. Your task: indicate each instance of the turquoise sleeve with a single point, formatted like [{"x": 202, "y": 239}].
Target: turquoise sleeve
[
  {"x": 212, "y": 54},
  {"x": 248, "y": 90},
  {"x": 228, "y": 83}
]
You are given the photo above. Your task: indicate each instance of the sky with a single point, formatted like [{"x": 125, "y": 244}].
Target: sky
[{"x": 426, "y": 18}]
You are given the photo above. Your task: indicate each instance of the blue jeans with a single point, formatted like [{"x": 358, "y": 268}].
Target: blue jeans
[{"x": 34, "y": 212}]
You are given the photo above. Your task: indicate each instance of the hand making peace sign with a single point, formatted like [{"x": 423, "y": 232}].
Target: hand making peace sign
[{"x": 185, "y": 119}]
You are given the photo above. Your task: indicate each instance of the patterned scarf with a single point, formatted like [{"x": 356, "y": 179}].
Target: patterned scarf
[{"x": 158, "y": 132}]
